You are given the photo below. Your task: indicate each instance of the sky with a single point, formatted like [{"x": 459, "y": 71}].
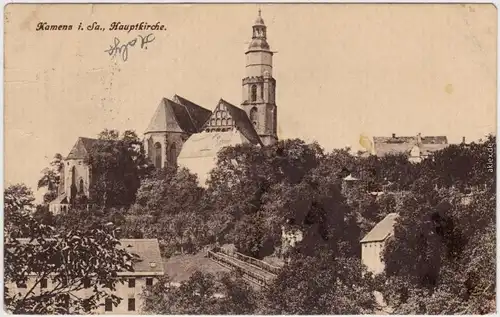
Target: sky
[{"x": 341, "y": 70}]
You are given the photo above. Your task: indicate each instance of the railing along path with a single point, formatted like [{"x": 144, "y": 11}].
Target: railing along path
[{"x": 254, "y": 270}]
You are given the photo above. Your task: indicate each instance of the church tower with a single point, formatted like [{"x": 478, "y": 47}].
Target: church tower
[{"x": 259, "y": 86}]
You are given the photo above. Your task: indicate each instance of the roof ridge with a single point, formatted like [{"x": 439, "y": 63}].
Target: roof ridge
[
  {"x": 177, "y": 120},
  {"x": 198, "y": 114},
  {"x": 189, "y": 113},
  {"x": 244, "y": 115},
  {"x": 382, "y": 229}
]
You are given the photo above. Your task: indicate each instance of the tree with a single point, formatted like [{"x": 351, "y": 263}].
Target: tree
[
  {"x": 116, "y": 177},
  {"x": 441, "y": 258},
  {"x": 118, "y": 165},
  {"x": 464, "y": 166},
  {"x": 87, "y": 219},
  {"x": 136, "y": 152},
  {"x": 18, "y": 198},
  {"x": 317, "y": 208},
  {"x": 109, "y": 135},
  {"x": 72, "y": 260},
  {"x": 43, "y": 215},
  {"x": 320, "y": 284},
  {"x": 51, "y": 178},
  {"x": 251, "y": 235},
  {"x": 202, "y": 293},
  {"x": 157, "y": 190},
  {"x": 242, "y": 178},
  {"x": 169, "y": 207}
]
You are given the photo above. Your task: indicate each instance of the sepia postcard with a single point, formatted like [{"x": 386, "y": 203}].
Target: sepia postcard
[{"x": 250, "y": 158}]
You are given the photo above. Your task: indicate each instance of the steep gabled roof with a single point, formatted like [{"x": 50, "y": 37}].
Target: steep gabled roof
[
  {"x": 242, "y": 122},
  {"x": 382, "y": 230},
  {"x": 171, "y": 117},
  {"x": 83, "y": 147},
  {"x": 182, "y": 116},
  {"x": 198, "y": 114},
  {"x": 227, "y": 116}
]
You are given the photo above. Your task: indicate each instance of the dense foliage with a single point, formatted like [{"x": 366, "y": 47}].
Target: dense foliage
[
  {"x": 117, "y": 165},
  {"x": 440, "y": 259},
  {"x": 69, "y": 260},
  {"x": 51, "y": 178},
  {"x": 318, "y": 284},
  {"x": 202, "y": 293}
]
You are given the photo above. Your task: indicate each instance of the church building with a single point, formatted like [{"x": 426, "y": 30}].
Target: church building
[
  {"x": 76, "y": 175},
  {"x": 183, "y": 133}
]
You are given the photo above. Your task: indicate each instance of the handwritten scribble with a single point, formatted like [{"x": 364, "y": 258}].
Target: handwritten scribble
[{"x": 117, "y": 48}]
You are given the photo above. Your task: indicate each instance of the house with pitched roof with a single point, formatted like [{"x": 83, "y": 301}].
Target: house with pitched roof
[
  {"x": 147, "y": 270},
  {"x": 372, "y": 245},
  {"x": 183, "y": 133},
  {"x": 416, "y": 147}
]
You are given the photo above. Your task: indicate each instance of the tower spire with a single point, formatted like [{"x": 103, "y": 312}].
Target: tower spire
[
  {"x": 259, "y": 35},
  {"x": 259, "y": 85}
]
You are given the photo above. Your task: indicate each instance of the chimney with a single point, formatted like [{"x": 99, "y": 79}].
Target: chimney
[
  {"x": 419, "y": 138},
  {"x": 393, "y": 135},
  {"x": 463, "y": 140}
]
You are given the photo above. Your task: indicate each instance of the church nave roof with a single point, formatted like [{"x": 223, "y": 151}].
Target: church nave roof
[{"x": 181, "y": 115}]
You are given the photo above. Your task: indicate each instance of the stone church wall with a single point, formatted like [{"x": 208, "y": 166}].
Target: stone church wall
[
  {"x": 171, "y": 145},
  {"x": 81, "y": 173}
]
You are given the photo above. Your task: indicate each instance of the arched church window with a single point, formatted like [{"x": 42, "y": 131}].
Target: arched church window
[
  {"x": 212, "y": 123},
  {"x": 224, "y": 122},
  {"x": 81, "y": 187},
  {"x": 218, "y": 122},
  {"x": 253, "y": 116},
  {"x": 157, "y": 155},
  {"x": 73, "y": 189},
  {"x": 253, "y": 95},
  {"x": 261, "y": 92},
  {"x": 173, "y": 154},
  {"x": 229, "y": 121}
]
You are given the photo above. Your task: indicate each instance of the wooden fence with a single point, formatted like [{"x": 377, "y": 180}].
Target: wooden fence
[
  {"x": 253, "y": 261},
  {"x": 247, "y": 274}
]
